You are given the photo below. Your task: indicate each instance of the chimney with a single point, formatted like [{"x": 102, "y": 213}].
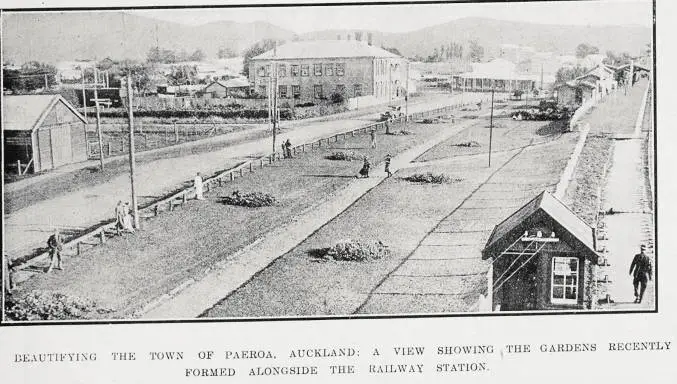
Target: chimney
[{"x": 370, "y": 38}]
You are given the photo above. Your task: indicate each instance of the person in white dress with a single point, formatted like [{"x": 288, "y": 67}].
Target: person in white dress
[{"x": 199, "y": 187}]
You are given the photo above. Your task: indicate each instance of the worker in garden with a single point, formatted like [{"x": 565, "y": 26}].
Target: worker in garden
[
  {"x": 372, "y": 134},
  {"x": 364, "y": 171},
  {"x": 287, "y": 146},
  {"x": 127, "y": 218},
  {"x": 284, "y": 151},
  {"x": 7, "y": 278},
  {"x": 387, "y": 165},
  {"x": 641, "y": 271},
  {"x": 55, "y": 245},
  {"x": 199, "y": 187}
]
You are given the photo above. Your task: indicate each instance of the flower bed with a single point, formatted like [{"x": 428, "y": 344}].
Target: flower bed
[
  {"x": 352, "y": 250},
  {"x": 51, "y": 306},
  {"x": 345, "y": 156},
  {"x": 252, "y": 200},
  {"x": 430, "y": 178}
]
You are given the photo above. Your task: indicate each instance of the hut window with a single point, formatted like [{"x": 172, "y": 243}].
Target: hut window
[{"x": 564, "y": 280}]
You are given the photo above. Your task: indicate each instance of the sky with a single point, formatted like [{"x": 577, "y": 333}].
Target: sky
[{"x": 403, "y": 18}]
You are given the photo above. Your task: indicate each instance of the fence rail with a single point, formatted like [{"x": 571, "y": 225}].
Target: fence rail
[{"x": 100, "y": 234}]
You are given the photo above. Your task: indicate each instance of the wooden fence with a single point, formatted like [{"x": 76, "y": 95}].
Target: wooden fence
[{"x": 100, "y": 234}]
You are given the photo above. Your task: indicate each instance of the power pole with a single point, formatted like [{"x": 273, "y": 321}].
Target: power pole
[
  {"x": 84, "y": 97},
  {"x": 491, "y": 123},
  {"x": 406, "y": 98},
  {"x": 46, "y": 83},
  {"x": 98, "y": 125},
  {"x": 132, "y": 165}
]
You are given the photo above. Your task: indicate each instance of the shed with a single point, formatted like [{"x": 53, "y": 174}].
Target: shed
[
  {"x": 42, "y": 131},
  {"x": 543, "y": 257}
]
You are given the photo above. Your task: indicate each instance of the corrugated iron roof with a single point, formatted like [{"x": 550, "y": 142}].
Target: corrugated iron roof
[
  {"x": 546, "y": 204},
  {"x": 325, "y": 49},
  {"x": 25, "y": 112}
]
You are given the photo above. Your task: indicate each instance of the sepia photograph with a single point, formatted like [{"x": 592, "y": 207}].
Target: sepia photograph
[{"x": 334, "y": 161}]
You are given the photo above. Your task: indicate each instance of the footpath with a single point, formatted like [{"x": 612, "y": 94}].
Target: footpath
[{"x": 28, "y": 228}]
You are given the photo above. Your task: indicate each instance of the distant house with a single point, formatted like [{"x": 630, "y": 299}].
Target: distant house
[
  {"x": 573, "y": 93},
  {"x": 310, "y": 71},
  {"x": 543, "y": 258},
  {"x": 238, "y": 87},
  {"x": 500, "y": 74},
  {"x": 44, "y": 131},
  {"x": 602, "y": 77}
]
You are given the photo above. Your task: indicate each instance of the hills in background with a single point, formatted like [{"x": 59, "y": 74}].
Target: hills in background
[{"x": 59, "y": 36}]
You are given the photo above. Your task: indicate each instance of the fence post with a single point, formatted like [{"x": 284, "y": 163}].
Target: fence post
[
  {"x": 18, "y": 166},
  {"x": 156, "y": 209},
  {"x": 261, "y": 162},
  {"x": 241, "y": 172},
  {"x": 232, "y": 176},
  {"x": 251, "y": 167},
  {"x": 185, "y": 197},
  {"x": 103, "y": 236},
  {"x": 78, "y": 251},
  {"x": 109, "y": 149},
  {"x": 176, "y": 133}
]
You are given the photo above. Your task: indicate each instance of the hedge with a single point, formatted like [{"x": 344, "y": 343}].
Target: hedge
[{"x": 199, "y": 114}]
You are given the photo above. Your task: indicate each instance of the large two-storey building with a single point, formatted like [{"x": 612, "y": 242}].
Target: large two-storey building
[{"x": 311, "y": 71}]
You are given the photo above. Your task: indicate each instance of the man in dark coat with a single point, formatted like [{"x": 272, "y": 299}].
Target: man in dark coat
[
  {"x": 287, "y": 146},
  {"x": 55, "y": 245},
  {"x": 641, "y": 271}
]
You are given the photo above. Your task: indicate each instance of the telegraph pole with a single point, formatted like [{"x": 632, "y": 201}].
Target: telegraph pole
[
  {"x": 491, "y": 123},
  {"x": 98, "y": 125},
  {"x": 132, "y": 164}
]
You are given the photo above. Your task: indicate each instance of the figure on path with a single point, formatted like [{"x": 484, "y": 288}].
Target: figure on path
[
  {"x": 641, "y": 271},
  {"x": 387, "y": 165},
  {"x": 55, "y": 245},
  {"x": 284, "y": 150},
  {"x": 364, "y": 172},
  {"x": 372, "y": 134},
  {"x": 127, "y": 224},
  {"x": 287, "y": 146},
  {"x": 199, "y": 187},
  {"x": 119, "y": 217}
]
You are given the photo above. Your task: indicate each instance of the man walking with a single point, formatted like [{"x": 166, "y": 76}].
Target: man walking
[
  {"x": 199, "y": 187},
  {"x": 641, "y": 271},
  {"x": 7, "y": 278},
  {"x": 373, "y": 138},
  {"x": 387, "y": 165},
  {"x": 119, "y": 217},
  {"x": 287, "y": 148},
  {"x": 55, "y": 245}
]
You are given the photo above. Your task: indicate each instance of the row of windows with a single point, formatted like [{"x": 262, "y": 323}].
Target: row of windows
[
  {"x": 317, "y": 90},
  {"x": 331, "y": 69}
]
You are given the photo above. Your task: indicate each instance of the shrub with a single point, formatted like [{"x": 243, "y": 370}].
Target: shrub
[
  {"x": 51, "y": 306},
  {"x": 400, "y": 133},
  {"x": 346, "y": 156},
  {"x": 337, "y": 98},
  {"x": 252, "y": 200},
  {"x": 431, "y": 178},
  {"x": 352, "y": 250},
  {"x": 469, "y": 144}
]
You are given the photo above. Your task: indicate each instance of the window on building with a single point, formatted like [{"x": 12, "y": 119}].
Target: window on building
[
  {"x": 267, "y": 70},
  {"x": 263, "y": 90},
  {"x": 358, "y": 90},
  {"x": 305, "y": 70},
  {"x": 282, "y": 70},
  {"x": 318, "y": 91},
  {"x": 283, "y": 91},
  {"x": 296, "y": 91},
  {"x": 317, "y": 69},
  {"x": 564, "y": 280},
  {"x": 294, "y": 70},
  {"x": 329, "y": 69},
  {"x": 340, "y": 69},
  {"x": 261, "y": 71}
]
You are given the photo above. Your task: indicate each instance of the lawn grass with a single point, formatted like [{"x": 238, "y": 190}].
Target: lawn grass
[
  {"x": 507, "y": 134},
  {"x": 134, "y": 269}
]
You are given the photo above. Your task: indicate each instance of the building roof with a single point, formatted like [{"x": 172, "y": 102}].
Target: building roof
[
  {"x": 237, "y": 82},
  {"x": 637, "y": 67},
  {"x": 26, "y": 112},
  {"x": 324, "y": 49},
  {"x": 543, "y": 207}
]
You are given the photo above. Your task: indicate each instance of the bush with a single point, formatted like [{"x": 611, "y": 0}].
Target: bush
[
  {"x": 252, "y": 200},
  {"x": 431, "y": 178},
  {"x": 469, "y": 144},
  {"x": 400, "y": 133},
  {"x": 346, "y": 156},
  {"x": 308, "y": 104},
  {"x": 51, "y": 306},
  {"x": 337, "y": 98},
  {"x": 352, "y": 250}
]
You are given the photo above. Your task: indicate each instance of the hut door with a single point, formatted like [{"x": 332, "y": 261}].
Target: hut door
[{"x": 61, "y": 145}]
